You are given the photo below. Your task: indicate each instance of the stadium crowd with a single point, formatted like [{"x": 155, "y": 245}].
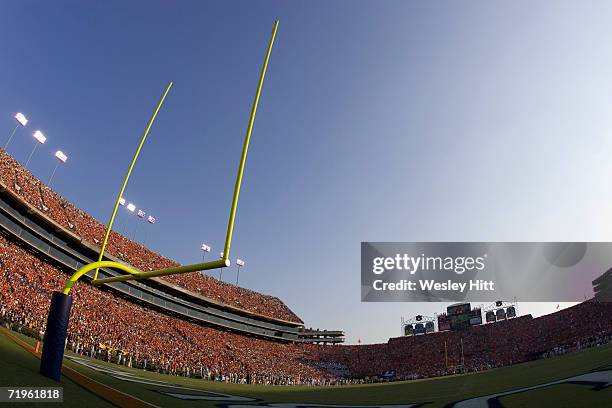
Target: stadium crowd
[
  {"x": 19, "y": 180},
  {"x": 105, "y": 326},
  {"x": 480, "y": 347},
  {"x": 108, "y": 327}
]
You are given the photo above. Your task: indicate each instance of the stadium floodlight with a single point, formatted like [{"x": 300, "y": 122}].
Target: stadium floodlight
[
  {"x": 59, "y": 155},
  {"x": 240, "y": 263},
  {"x": 205, "y": 249},
  {"x": 61, "y": 158},
  {"x": 40, "y": 139},
  {"x": 61, "y": 302},
  {"x": 141, "y": 214},
  {"x": 21, "y": 121},
  {"x": 151, "y": 220},
  {"x": 131, "y": 207}
]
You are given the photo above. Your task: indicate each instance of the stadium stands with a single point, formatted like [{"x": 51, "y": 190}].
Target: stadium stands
[
  {"x": 39, "y": 195},
  {"x": 484, "y": 347},
  {"x": 110, "y": 327},
  {"x": 602, "y": 286}
]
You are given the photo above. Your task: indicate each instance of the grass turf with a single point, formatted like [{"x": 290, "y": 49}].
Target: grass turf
[{"x": 18, "y": 367}]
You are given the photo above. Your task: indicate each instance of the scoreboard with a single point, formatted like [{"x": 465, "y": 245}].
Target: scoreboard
[
  {"x": 475, "y": 317},
  {"x": 443, "y": 323},
  {"x": 458, "y": 309},
  {"x": 460, "y": 316}
]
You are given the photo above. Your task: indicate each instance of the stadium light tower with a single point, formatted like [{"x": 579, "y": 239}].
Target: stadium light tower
[
  {"x": 240, "y": 263},
  {"x": 40, "y": 139},
  {"x": 122, "y": 203},
  {"x": 21, "y": 121},
  {"x": 205, "y": 249},
  {"x": 61, "y": 158},
  {"x": 140, "y": 214},
  {"x": 150, "y": 220},
  {"x": 131, "y": 208}
]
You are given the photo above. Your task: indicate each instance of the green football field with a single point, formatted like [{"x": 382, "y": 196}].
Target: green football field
[{"x": 578, "y": 380}]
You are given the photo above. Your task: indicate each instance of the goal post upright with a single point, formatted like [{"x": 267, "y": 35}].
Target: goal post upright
[
  {"x": 59, "y": 312},
  {"x": 245, "y": 148},
  {"x": 109, "y": 227}
]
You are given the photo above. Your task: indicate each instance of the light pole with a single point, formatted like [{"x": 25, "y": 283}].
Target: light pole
[
  {"x": 131, "y": 208},
  {"x": 21, "y": 120},
  {"x": 141, "y": 214},
  {"x": 40, "y": 139},
  {"x": 150, "y": 220},
  {"x": 221, "y": 270},
  {"x": 205, "y": 249},
  {"x": 122, "y": 203},
  {"x": 61, "y": 158},
  {"x": 240, "y": 263}
]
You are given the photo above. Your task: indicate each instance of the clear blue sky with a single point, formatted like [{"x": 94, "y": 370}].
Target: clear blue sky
[{"x": 390, "y": 121}]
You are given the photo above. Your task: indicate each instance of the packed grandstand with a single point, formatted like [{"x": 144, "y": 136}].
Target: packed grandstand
[{"x": 196, "y": 325}]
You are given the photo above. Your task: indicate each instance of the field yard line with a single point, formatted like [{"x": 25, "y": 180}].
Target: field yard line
[{"x": 117, "y": 397}]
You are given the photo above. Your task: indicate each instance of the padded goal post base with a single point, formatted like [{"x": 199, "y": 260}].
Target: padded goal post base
[{"x": 55, "y": 336}]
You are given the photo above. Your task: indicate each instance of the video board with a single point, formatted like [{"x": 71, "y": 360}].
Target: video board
[
  {"x": 443, "y": 322},
  {"x": 458, "y": 309},
  {"x": 461, "y": 316}
]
